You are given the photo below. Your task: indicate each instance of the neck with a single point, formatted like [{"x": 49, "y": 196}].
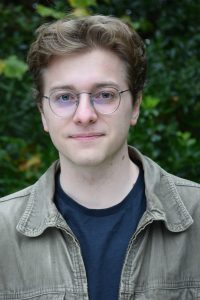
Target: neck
[{"x": 100, "y": 186}]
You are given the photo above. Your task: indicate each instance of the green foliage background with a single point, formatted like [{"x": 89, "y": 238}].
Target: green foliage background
[{"x": 169, "y": 127}]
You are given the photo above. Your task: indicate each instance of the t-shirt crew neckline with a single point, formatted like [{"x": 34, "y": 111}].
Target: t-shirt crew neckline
[{"x": 100, "y": 212}]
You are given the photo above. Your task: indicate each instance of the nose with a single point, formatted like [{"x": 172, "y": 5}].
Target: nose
[{"x": 85, "y": 113}]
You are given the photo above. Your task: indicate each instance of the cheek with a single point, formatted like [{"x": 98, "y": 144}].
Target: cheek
[
  {"x": 50, "y": 123},
  {"x": 55, "y": 134},
  {"x": 57, "y": 129},
  {"x": 121, "y": 124}
]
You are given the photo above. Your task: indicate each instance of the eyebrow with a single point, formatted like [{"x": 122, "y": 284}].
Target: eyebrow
[{"x": 72, "y": 87}]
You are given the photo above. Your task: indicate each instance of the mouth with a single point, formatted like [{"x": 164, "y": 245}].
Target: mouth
[{"x": 86, "y": 136}]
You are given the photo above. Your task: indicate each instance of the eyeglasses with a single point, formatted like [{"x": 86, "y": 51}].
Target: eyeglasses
[{"x": 105, "y": 101}]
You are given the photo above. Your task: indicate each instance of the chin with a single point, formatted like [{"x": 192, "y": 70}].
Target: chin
[
  {"x": 86, "y": 159},
  {"x": 88, "y": 162}
]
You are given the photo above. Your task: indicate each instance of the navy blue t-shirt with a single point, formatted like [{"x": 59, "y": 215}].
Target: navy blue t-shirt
[{"x": 103, "y": 235}]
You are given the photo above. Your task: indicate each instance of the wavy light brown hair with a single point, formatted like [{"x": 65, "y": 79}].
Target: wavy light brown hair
[{"x": 69, "y": 36}]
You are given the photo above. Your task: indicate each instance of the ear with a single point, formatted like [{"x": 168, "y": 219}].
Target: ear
[
  {"x": 44, "y": 121},
  {"x": 136, "y": 110},
  {"x": 43, "y": 118}
]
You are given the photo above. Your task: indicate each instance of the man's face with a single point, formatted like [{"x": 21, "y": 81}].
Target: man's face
[{"x": 88, "y": 138}]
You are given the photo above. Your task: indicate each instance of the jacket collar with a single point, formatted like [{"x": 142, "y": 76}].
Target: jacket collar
[
  {"x": 163, "y": 200},
  {"x": 41, "y": 212}
]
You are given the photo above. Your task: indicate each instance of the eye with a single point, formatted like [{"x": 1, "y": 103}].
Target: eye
[
  {"x": 63, "y": 97},
  {"x": 66, "y": 97},
  {"x": 105, "y": 95}
]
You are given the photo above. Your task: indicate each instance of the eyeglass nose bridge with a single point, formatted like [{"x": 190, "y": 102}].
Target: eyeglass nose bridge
[{"x": 87, "y": 93}]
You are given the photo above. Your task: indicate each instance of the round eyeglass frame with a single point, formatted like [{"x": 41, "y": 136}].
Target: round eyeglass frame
[{"x": 91, "y": 101}]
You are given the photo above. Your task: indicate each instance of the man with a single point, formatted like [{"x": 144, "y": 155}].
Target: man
[{"x": 104, "y": 222}]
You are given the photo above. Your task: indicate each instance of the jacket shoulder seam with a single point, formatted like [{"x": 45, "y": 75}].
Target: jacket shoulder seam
[
  {"x": 17, "y": 195},
  {"x": 185, "y": 182}
]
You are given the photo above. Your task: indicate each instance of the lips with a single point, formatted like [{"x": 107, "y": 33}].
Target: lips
[{"x": 86, "y": 136}]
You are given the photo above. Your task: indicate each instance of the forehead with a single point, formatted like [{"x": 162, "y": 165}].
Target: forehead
[{"x": 85, "y": 70}]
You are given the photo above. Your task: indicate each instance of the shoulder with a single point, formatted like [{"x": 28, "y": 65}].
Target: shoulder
[
  {"x": 189, "y": 192},
  {"x": 158, "y": 173},
  {"x": 12, "y": 206},
  {"x": 166, "y": 185},
  {"x": 185, "y": 187},
  {"x": 178, "y": 194},
  {"x": 15, "y": 198},
  {"x": 11, "y": 209},
  {"x": 181, "y": 182},
  {"x": 25, "y": 193},
  {"x": 182, "y": 189},
  {"x": 17, "y": 195}
]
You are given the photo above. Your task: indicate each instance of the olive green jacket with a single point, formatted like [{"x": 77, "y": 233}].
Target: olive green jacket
[{"x": 40, "y": 257}]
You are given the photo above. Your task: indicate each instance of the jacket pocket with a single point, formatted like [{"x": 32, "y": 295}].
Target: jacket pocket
[
  {"x": 33, "y": 296},
  {"x": 167, "y": 294}
]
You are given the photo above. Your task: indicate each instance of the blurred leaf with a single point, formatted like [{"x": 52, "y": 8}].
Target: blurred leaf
[
  {"x": 2, "y": 66},
  {"x": 136, "y": 25},
  {"x": 80, "y": 12},
  {"x": 14, "y": 68},
  {"x": 34, "y": 161},
  {"x": 185, "y": 139},
  {"x": 82, "y": 3},
  {"x": 150, "y": 102},
  {"x": 49, "y": 12}
]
